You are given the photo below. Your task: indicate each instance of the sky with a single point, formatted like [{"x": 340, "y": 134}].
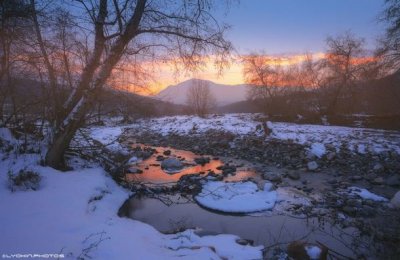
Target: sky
[
  {"x": 286, "y": 28},
  {"x": 293, "y": 26}
]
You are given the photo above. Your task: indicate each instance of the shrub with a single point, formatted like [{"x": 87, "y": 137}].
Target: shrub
[{"x": 24, "y": 180}]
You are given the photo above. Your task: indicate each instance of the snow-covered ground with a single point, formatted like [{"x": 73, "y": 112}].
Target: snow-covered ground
[
  {"x": 316, "y": 137},
  {"x": 74, "y": 214}
]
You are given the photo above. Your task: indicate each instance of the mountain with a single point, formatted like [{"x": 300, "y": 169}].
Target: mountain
[{"x": 224, "y": 94}]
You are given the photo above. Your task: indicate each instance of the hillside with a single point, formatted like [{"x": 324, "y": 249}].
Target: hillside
[{"x": 224, "y": 94}]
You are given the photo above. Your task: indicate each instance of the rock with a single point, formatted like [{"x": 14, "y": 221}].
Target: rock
[
  {"x": 307, "y": 251},
  {"x": 395, "y": 201},
  {"x": 393, "y": 181},
  {"x": 330, "y": 156},
  {"x": 244, "y": 242},
  {"x": 378, "y": 167},
  {"x": 227, "y": 169},
  {"x": 133, "y": 160},
  {"x": 172, "y": 165},
  {"x": 356, "y": 178},
  {"x": 167, "y": 152},
  {"x": 160, "y": 158},
  {"x": 349, "y": 210},
  {"x": 274, "y": 177},
  {"x": 307, "y": 189},
  {"x": 294, "y": 175},
  {"x": 368, "y": 211},
  {"x": 354, "y": 202},
  {"x": 133, "y": 170},
  {"x": 378, "y": 181},
  {"x": 202, "y": 160},
  {"x": 332, "y": 181},
  {"x": 312, "y": 166}
]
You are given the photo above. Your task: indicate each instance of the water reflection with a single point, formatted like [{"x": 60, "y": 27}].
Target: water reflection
[
  {"x": 152, "y": 172},
  {"x": 264, "y": 230}
]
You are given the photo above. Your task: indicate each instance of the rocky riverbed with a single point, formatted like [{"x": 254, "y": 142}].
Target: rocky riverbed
[
  {"x": 327, "y": 180},
  {"x": 349, "y": 177}
]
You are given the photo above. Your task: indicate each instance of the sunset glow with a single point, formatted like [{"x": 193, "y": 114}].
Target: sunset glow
[{"x": 230, "y": 75}]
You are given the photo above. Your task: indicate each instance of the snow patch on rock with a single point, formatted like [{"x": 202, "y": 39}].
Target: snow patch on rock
[
  {"x": 236, "y": 197},
  {"x": 313, "y": 251},
  {"x": 318, "y": 149},
  {"x": 365, "y": 194}
]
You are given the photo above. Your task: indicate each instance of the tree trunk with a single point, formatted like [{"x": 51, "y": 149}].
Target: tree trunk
[{"x": 65, "y": 133}]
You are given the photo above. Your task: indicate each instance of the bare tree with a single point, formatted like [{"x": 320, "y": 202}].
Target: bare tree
[
  {"x": 266, "y": 78},
  {"x": 343, "y": 66},
  {"x": 14, "y": 16},
  {"x": 147, "y": 31},
  {"x": 199, "y": 98},
  {"x": 389, "y": 48}
]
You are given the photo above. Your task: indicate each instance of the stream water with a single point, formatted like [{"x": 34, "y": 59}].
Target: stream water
[
  {"x": 172, "y": 213},
  {"x": 153, "y": 174}
]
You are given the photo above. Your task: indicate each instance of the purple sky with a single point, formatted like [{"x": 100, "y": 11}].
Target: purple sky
[{"x": 294, "y": 26}]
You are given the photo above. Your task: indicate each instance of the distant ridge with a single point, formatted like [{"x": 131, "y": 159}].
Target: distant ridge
[{"x": 224, "y": 94}]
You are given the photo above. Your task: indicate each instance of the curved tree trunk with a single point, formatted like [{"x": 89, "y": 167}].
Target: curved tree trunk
[{"x": 81, "y": 101}]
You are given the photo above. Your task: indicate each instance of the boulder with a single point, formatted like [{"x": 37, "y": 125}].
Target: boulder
[
  {"x": 202, "y": 160},
  {"x": 378, "y": 181},
  {"x": 330, "y": 156},
  {"x": 312, "y": 166},
  {"x": 378, "y": 167},
  {"x": 172, "y": 165},
  {"x": 133, "y": 170},
  {"x": 294, "y": 175},
  {"x": 393, "y": 181},
  {"x": 274, "y": 177},
  {"x": 307, "y": 251},
  {"x": 395, "y": 201}
]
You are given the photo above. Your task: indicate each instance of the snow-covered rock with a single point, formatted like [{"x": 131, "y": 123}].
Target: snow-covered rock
[
  {"x": 304, "y": 250},
  {"x": 365, "y": 194},
  {"x": 171, "y": 165},
  {"x": 133, "y": 160},
  {"x": 312, "y": 166},
  {"x": 358, "y": 140},
  {"x": 318, "y": 149},
  {"x": 313, "y": 252},
  {"x": 395, "y": 201},
  {"x": 236, "y": 197}
]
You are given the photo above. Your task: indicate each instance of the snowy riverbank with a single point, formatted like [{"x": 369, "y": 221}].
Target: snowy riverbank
[{"x": 74, "y": 214}]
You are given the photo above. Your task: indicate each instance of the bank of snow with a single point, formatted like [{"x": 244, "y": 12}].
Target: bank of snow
[
  {"x": 75, "y": 214},
  {"x": 236, "y": 197},
  {"x": 316, "y": 137}
]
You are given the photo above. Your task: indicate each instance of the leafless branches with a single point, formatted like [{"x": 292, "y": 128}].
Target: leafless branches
[{"x": 199, "y": 98}]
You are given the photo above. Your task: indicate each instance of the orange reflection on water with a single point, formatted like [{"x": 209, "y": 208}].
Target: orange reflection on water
[{"x": 152, "y": 172}]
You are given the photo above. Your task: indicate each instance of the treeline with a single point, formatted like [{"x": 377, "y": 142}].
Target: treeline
[
  {"x": 347, "y": 79},
  {"x": 78, "y": 51}
]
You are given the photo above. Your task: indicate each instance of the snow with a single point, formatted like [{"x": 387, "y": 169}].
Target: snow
[
  {"x": 184, "y": 125},
  {"x": 318, "y": 149},
  {"x": 133, "y": 160},
  {"x": 313, "y": 251},
  {"x": 108, "y": 136},
  {"x": 6, "y": 135},
  {"x": 236, "y": 197},
  {"x": 317, "y": 138},
  {"x": 365, "y": 194},
  {"x": 75, "y": 210}
]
